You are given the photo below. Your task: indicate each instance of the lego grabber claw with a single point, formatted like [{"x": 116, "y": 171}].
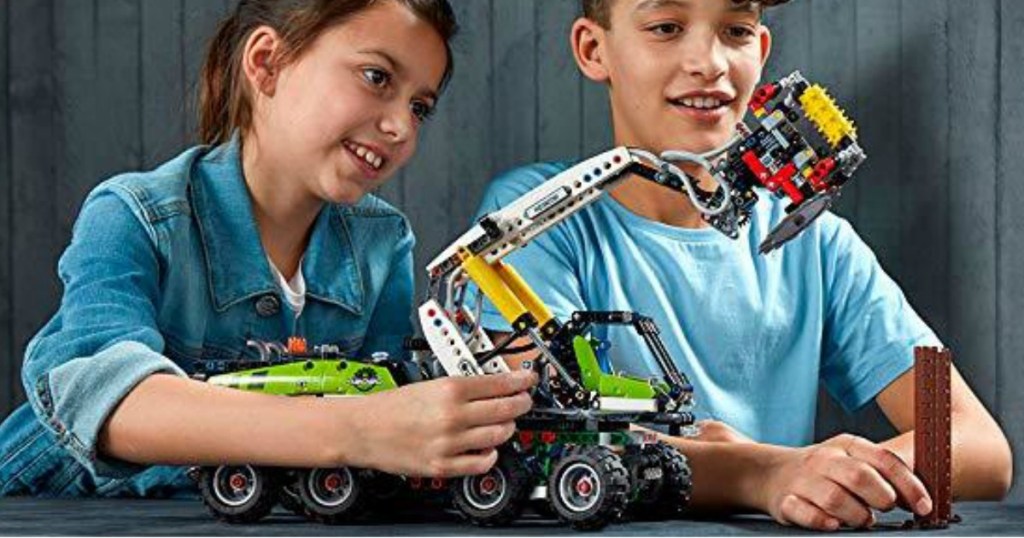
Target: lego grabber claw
[{"x": 798, "y": 221}]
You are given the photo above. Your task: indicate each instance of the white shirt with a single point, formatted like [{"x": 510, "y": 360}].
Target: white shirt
[{"x": 294, "y": 290}]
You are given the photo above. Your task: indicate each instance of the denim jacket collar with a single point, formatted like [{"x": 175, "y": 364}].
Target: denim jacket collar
[{"x": 236, "y": 262}]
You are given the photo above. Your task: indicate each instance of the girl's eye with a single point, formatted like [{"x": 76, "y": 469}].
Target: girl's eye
[
  {"x": 421, "y": 110},
  {"x": 666, "y": 29},
  {"x": 377, "y": 77}
]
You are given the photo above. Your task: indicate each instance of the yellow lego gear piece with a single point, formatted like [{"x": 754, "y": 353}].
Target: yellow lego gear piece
[{"x": 829, "y": 119}]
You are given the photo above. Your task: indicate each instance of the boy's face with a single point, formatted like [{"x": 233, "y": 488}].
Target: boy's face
[{"x": 680, "y": 72}]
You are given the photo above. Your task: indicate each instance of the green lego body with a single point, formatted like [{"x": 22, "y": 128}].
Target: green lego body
[{"x": 311, "y": 377}]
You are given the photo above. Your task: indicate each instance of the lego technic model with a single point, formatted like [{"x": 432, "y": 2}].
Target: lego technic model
[{"x": 575, "y": 454}]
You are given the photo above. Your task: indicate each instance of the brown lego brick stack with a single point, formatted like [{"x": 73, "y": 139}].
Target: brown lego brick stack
[{"x": 932, "y": 448}]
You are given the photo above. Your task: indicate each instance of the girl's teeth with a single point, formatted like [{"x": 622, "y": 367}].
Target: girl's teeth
[{"x": 370, "y": 157}]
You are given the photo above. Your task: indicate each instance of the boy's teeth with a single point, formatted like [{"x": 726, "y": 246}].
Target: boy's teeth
[
  {"x": 361, "y": 151},
  {"x": 378, "y": 162},
  {"x": 701, "y": 102}
]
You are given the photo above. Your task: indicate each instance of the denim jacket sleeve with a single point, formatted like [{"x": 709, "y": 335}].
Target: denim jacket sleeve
[
  {"x": 390, "y": 323},
  {"x": 103, "y": 340}
]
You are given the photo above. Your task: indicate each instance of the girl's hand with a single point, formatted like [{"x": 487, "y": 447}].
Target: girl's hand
[
  {"x": 440, "y": 428},
  {"x": 839, "y": 482}
]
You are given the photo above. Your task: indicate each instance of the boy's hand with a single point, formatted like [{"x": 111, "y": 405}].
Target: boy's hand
[
  {"x": 839, "y": 482},
  {"x": 441, "y": 428},
  {"x": 714, "y": 431}
]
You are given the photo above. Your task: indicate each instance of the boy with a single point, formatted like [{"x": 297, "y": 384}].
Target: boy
[{"x": 755, "y": 333}]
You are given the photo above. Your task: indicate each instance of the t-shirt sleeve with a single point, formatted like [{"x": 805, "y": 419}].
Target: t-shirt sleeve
[
  {"x": 548, "y": 264},
  {"x": 870, "y": 327}
]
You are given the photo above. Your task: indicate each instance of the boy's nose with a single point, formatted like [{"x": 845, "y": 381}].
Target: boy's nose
[{"x": 705, "y": 59}]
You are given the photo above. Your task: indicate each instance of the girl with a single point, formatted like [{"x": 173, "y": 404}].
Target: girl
[{"x": 267, "y": 230}]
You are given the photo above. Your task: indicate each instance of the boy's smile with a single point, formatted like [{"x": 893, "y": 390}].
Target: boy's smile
[{"x": 680, "y": 72}]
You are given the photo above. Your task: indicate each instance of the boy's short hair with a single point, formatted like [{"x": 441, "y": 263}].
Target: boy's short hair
[{"x": 599, "y": 10}]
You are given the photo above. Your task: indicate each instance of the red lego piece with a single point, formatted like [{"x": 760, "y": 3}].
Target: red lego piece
[
  {"x": 297, "y": 345},
  {"x": 821, "y": 172},
  {"x": 763, "y": 95},
  {"x": 757, "y": 168},
  {"x": 784, "y": 179}
]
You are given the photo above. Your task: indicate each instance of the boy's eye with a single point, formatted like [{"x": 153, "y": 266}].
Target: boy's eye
[
  {"x": 377, "y": 77},
  {"x": 421, "y": 110},
  {"x": 740, "y": 32},
  {"x": 666, "y": 29}
]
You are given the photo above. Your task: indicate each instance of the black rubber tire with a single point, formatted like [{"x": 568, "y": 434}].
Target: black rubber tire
[
  {"x": 512, "y": 480},
  {"x": 249, "y": 506},
  {"x": 645, "y": 479},
  {"x": 677, "y": 482},
  {"x": 288, "y": 498},
  {"x": 312, "y": 494},
  {"x": 609, "y": 483}
]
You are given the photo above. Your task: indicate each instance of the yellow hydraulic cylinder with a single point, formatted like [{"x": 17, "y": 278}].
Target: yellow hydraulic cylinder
[
  {"x": 524, "y": 292},
  {"x": 494, "y": 287}
]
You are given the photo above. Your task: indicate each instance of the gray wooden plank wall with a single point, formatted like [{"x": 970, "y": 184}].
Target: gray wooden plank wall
[{"x": 93, "y": 87}]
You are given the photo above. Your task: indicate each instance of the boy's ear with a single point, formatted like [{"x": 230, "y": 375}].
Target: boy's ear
[
  {"x": 766, "y": 44},
  {"x": 587, "y": 40},
  {"x": 258, "y": 60}
]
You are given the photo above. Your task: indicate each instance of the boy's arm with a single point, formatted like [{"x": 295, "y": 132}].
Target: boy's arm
[{"x": 982, "y": 462}]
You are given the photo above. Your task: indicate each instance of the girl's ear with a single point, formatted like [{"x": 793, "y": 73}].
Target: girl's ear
[
  {"x": 258, "y": 60},
  {"x": 587, "y": 41}
]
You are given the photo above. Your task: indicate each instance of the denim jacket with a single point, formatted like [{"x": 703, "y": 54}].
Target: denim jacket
[{"x": 165, "y": 269}]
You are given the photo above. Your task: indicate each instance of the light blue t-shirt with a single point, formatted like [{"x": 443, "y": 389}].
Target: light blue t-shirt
[{"x": 754, "y": 333}]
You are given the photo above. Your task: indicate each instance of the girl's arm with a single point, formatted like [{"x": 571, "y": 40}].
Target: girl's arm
[{"x": 445, "y": 427}]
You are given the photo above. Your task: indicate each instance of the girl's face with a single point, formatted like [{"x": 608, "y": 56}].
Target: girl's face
[{"x": 344, "y": 116}]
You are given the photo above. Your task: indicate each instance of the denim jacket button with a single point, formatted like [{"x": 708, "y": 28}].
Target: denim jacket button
[{"x": 268, "y": 305}]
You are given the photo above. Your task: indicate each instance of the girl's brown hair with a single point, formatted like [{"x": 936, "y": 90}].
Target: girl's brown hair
[{"x": 224, "y": 101}]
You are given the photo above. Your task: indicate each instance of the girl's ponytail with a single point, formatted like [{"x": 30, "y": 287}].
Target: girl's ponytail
[{"x": 218, "y": 103}]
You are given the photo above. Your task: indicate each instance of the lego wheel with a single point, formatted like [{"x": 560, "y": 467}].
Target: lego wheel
[
  {"x": 677, "y": 481},
  {"x": 238, "y": 493},
  {"x": 588, "y": 488},
  {"x": 329, "y": 495},
  {"x": 496, "y": 497}
]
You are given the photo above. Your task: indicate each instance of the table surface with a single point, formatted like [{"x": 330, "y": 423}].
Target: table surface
[{"x": 27, "y": 516}]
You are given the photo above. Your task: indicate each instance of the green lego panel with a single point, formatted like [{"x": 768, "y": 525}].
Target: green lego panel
[
  {"x": 311, "y": 377},
  {"x": 608, "y": 385}
]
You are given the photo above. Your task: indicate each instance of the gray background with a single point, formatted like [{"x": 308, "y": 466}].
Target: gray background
[{"x": 93, "y": 87}]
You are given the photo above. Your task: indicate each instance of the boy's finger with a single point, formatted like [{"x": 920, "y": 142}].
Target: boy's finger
[
  {"x": 894, "y": 470},
  {"x": 864, "y": 481},
  {"x": 799, "y": 511}
]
